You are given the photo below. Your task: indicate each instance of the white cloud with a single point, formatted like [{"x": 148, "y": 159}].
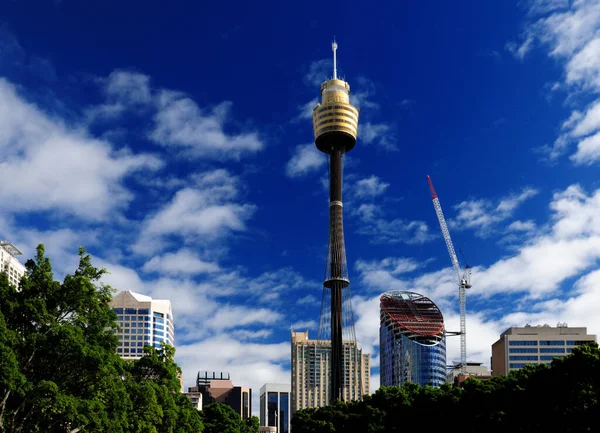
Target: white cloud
[
  {"x": 128, "y": 87},
  {"x": 305, "y": 111},
  {"x": 183, "y": 261},
  {"x": 262, "y": 363},
  {"x": 319, "y": 71},
  {"x": 370, "y": 187},
  {"x": 306, "y": 159},
  {"x": 58, "y": 168},
  {"x": 305, "y": 324},
  {"x": 307, "y": 300},
  {"x": 378, "y": 133},
  {"x": 588, "y": 150},
  {"x": 572, "y": 35},
  {"x": 206, "y": 209},
  {"x": 382, "y": 230},
  {"x": 483, "y": 214},
  {"x": 181, "y": 124},
  {"x": 521, "y": 226}
]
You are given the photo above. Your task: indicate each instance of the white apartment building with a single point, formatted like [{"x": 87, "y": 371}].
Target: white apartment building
[
  {"x": 143, "y": 321},
  {"x": 9, "y": 265},
  {"x": 311, "y": 368}
]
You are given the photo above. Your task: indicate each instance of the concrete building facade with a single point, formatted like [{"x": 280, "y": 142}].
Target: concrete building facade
[
  {"x": 9, "y": 265},
  {"x": 311, "y": 372},
  {"x": 519, "y": 346},
  {"x": 217, "y": 386},
  {"x": 143, "y": 321},
  {"x": 275, "y": 406}
]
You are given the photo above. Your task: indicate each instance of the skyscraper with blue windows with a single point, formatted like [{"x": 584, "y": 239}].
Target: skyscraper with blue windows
[
  {"x": 143, "y": 321},
  {"x": 412, "y": 340}
]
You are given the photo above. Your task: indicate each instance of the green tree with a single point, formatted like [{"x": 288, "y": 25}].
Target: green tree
[
  {"x": 59, "y": 349},
  {"x": 59, "y": 369},
  {"x": 220, "y": 418}
]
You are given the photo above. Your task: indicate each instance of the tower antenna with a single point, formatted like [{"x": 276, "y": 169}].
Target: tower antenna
[{"x": 334, "y": 49}]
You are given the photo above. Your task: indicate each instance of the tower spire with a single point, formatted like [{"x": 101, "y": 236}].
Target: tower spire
[
  {"x": 335, "y": 124},
  {"x": 334, "y": 49}
]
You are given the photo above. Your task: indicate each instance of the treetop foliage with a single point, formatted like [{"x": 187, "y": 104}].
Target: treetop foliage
[
  {"x": 59, "y": 367},
  {"x": 564, "y": 397}
]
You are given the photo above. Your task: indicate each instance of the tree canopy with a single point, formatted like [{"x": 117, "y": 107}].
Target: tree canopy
[
  {"x": 563, "y": 397},
  {"x": 59, "y": 368}
]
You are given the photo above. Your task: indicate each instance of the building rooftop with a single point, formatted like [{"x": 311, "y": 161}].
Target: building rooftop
[{"x": 413, "y": 312}]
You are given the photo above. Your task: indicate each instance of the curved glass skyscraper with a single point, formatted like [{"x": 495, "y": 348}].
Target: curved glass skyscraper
[{"x": 411, "y": 340}]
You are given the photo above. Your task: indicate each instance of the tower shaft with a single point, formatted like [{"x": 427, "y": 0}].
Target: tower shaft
[{"x": 338, "y": 277}]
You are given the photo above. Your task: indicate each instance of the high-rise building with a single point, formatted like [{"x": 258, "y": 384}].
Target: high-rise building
[
  {"x": 218, "y": 387},
  {"x": 9, "y": 265},
  {"x": 540, "y": 344},
  {"x": 311, "y": 372},
  {"x": 143, "y": 321},
  {"x": 335, "y": 124},
  {"x": 412, "y": 342},
  {"x": 275, "y": 406}
]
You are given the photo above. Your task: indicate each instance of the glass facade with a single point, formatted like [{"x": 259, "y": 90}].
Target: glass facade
[
  {"x": 275, "y": 407},
  {"x": 405, "y": 359},
  {"x": 284, "y": 414}
]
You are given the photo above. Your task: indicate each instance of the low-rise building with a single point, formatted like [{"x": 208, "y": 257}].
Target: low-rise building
[{"x": 519, "y": 346}]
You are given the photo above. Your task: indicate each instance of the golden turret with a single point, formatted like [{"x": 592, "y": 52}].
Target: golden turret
[{"x": 335, "y": 120}]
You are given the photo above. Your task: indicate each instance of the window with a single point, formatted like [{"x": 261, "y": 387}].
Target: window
[
  {"x": 522, "y": 343},
  {"x": 118, "y": 310},
  {"x": 525, "y": 350},
  {"x": 550, "y": 358},
  {"x": 143, "y": 311},
  {"x": 130, "y": 311},
  {"x": 522, "y": 358},
  {"x": 552, "y": 343},
  {"x": 514, "y": 365},
  {"x": 553, "y": 350}
]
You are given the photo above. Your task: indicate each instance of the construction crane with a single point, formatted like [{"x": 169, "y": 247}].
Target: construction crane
[{"x": 463, "y": 279}]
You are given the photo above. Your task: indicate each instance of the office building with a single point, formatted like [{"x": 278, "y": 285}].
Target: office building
[
  {"x": 540, "y": 344},
  {"x": 412, "y": 342},
  {"x": 311, "y": 371},
  {"x": 217, "y": 386},
  {"x": 275, "y": 406},
  {"x": 9, "y": 265},
  {"x": 143, "y": 321}
]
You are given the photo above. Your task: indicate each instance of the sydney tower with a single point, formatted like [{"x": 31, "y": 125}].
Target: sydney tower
[{"x": 335, "y": 123}]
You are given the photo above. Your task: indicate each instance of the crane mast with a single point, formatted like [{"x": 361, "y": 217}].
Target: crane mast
[{"x": 463, "y": 281}]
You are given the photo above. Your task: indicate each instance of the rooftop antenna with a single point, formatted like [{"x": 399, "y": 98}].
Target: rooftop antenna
[{"x": 334, "y": 49}]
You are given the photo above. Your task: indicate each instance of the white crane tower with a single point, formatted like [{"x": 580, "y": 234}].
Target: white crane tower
[{"x": 464, "y": 280}]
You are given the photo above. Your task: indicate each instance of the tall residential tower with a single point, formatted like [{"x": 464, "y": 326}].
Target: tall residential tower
[{"x": 335, "y": 123}]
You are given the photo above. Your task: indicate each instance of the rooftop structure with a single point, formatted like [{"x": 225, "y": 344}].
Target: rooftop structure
[
  {"x": 217, "y": 386},
  {"x": 411, "y": 340},
  {"x": 9, "y": 264}
]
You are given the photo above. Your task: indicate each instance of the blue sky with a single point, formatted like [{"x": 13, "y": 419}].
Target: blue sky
[{"x": 174, "y": 142}]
